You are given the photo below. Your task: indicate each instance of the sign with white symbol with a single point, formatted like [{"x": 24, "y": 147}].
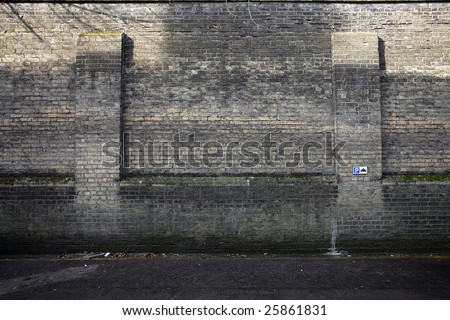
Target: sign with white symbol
[{"x": 359, "y": 170}]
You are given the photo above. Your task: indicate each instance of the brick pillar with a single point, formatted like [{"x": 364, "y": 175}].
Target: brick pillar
[
  {"x": 356, "y": 94},
  {"x": 98, "y": 120},
  {"x": 356, "y": 81}
]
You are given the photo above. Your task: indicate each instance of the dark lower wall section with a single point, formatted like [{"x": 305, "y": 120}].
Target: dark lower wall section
[
  {"x": 419, "y": 212},
  {"x": 410, "y": 215},
  {"x": 233, "y": 213},
  {"x": 217, "y": 214},
  {"x": 175, "y": 214},
  {"x": 36, "y": 217}
]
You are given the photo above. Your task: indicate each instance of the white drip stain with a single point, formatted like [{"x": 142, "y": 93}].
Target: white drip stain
[{"x": 334, "y": 232}]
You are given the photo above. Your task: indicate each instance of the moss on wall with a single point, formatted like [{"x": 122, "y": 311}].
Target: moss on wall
[
  {"x": 36, "y": 180},
  {"x": 426, "y": 177}
]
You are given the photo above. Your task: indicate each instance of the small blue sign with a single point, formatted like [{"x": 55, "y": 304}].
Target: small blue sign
[{"x": 359, "y": 170}]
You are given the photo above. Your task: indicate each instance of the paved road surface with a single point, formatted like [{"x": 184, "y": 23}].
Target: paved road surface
[{"x": 226, "y": 277}]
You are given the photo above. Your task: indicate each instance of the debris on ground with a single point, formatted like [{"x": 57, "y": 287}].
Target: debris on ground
[
  {"x": 115, "y": 255},
  {"x": 86, "y": 255},
  {"x": 142, "y": 255}
]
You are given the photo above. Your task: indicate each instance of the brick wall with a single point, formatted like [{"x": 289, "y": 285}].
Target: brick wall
[
  {"x": 37, "y": 215},
  {"x": 98, "y": 121},
  {"x": 287, "y": 81},
  {"x": 230, "y": 213}
]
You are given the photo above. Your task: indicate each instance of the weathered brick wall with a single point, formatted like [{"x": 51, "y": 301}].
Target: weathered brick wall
[
  {"x": 98, "y": 121},
  {"x": 37, "y": 213},
  {"x": 230, "y": 213},
  {"x": 198, "y": 66},
  {"x": 413, "y": 215},
  {"x": 415, "y": 69},
  {"x": 221, "y": 76},
  {"x": 38, "y": 82},
  {"x": 411, "y": 207},
  {"x": 309, "y": 74}
]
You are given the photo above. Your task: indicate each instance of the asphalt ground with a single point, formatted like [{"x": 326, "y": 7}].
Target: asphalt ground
[{"x": 225, "y": 276}]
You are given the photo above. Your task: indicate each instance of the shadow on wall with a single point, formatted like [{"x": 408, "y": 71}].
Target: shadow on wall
[
  {"x": 228, "y": 77},
  {"x": 414, "y": 121},
  {"x": 233, "y": 74},
  {"x": 20, "y": 17}
]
